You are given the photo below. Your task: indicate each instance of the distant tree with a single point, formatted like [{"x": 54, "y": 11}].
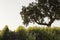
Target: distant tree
[
  {"x": 4, "y": 33},
  {"x": 36, "y": 12}
]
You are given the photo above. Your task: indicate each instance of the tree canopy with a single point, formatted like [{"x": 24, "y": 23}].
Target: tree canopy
[{"x": 36, "y": 12}]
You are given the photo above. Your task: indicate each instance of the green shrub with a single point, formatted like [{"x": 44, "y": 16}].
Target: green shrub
[
  {"x": 31, "y": 33},
  {"x": 21, "y": 33},
  {"x": 40, "y": 33}
]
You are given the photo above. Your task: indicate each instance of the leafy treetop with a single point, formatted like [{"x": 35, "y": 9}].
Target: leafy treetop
[{"x": 36, "y": 12}]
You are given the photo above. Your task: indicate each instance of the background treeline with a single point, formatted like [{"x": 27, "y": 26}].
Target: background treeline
[{"x": 30, "y": 33}]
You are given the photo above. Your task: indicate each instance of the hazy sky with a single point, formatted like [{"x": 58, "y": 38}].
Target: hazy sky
[{"x": 9, "y": 13}]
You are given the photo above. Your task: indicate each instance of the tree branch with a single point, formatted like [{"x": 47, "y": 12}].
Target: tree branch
[
  {"x": 49, "y": 24},
  {"x": 40, "y": 23}
]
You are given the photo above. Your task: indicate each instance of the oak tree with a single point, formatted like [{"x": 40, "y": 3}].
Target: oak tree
[{"x": 36, "y": 12}]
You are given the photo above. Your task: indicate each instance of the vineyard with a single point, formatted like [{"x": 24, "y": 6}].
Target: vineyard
[{"x": 31, "y": 33}]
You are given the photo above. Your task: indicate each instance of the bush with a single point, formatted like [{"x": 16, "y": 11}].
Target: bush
[
  {"x": 31, "y": 33},
  {"x": 21, "y": 33},
  {"x": 40, "y": 34}
]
